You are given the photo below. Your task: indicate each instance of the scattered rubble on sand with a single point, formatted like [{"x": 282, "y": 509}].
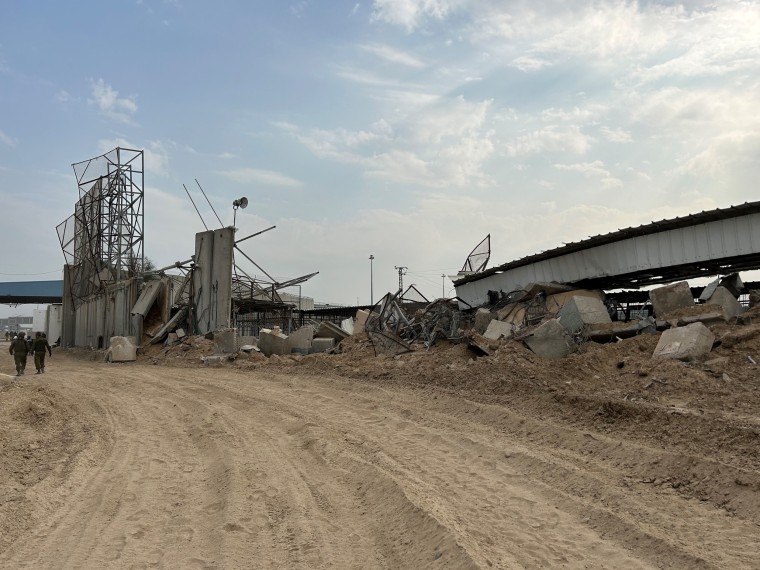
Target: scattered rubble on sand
[{"x": 549, "y": 320}]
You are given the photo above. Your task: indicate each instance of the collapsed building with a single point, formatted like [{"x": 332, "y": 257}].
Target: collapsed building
[
  {"x": 552, "y": 301},
  {"x": 110, "y": 292}
]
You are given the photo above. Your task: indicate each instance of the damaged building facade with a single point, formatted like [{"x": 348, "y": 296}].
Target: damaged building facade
[{"x": 108, "y": 292}]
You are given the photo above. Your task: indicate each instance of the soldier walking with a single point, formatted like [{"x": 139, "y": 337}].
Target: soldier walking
[
  {"x": 19, "y": 350},
  {"x": 38, "y": 349}
]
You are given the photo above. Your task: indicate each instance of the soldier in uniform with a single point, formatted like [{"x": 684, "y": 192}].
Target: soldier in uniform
[
  {"x": 19, "y": 351},
  {"x": 38, "y": 348}
]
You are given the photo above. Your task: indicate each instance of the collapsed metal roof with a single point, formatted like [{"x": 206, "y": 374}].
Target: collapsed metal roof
[{"x": 707, "y": 243}]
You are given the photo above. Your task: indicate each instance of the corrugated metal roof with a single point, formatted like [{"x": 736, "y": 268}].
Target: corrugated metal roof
[{"x": 602, "y": 239}]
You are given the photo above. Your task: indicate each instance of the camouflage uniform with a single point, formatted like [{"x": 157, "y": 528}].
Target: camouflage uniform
[
  {"x": 19, "y": 350},
  {"x": 39, "y": 346}
]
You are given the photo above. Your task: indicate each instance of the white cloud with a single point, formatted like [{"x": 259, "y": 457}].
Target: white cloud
[
  {"x": 107, "y": 100},
  {"x": 299, "y": 8},
  {"x": 261, "y": 177},
  {"x": 550, "y": 139},
  {"x": 616, "y": 135},
  {"x": 393, "y": 55},
  {"x": 409, "y": 14},
  {"x": 530, "y": 63},
  {"x": 8, "y": 140},
  {"x": 595, "y": 169},
  {"x": 227, "y": 155}
]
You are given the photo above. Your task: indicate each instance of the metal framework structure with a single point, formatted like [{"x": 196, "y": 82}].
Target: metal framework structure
[
  {"x": 478, "y": 258},
  {"x": 102, "y": 241}
]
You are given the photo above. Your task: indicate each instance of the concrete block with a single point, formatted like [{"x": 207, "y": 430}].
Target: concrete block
[
  {"x": 692, "y": 342},
  {"x": 497, "y": 329},
  {"x": 581, "y": 311},
  {"x": 558, "y": 300},
  {"x": 181, "y": 333},
  {"x": 224, "y": 341},
  {"x": 707, "y": 314},
  {"x": 361, "y": 320},
  {"x": 272, "y": 341},
  {"x": 733, "y": 283},
  {"x": 347, "y": 325},
  {"x": 322, "y": 344},
  {"x": 171, "y": 338},
  {"x": 300, "y": 340},
  {"x": 482, "y": 318},
  {"x": 330, "y": 330},
  {"x": 709, "y": 290},
  {"x": 123, "y": 349},
  {"x": 671, "y": 298},
  {"x": 550, "y": 340},
  {"x": 726, "y": 300},
  {"x": 608, "y": 332},
  {"x": 513, "y": 313}
]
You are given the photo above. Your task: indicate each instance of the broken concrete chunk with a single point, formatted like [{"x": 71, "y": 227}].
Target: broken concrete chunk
[
  {"x": 322, "y": 344},
  {"x": 580, "y": 311},
  {"x": 330, "y": 330},
  {"x": 607, "y": 332},
  {"x": 497, "y": 329},
  {"x": 709, "y": 290},
  {"x": 361, "y": 320},
  {"x": 123, "y": 349},
  {"x": 347, "y": 325},
  {"x": 754, "y": 297},
  {"x": 726, "y": 300},
  {"x": 550, "y": 340},
  {"x": 171, "y": 338},
  {"x": 692, "y": 342},
  {"x": 181, "y": 333},
  {"x": 224, "y": 341},
  {"x": 733, "y": 283},
  {"x": 513, "y": 313},
  {"x": 671, "y": 298},
  {"x": 272, "y": 341},
  {"x": 300, "y": 341},
  {"x": 482, "y": 318}
]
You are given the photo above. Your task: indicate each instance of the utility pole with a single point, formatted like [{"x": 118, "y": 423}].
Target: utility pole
[
  {"x": 443, "y": 285},
  {"x": 371, "y": 281},
  {"x": 401, "y": 273}
]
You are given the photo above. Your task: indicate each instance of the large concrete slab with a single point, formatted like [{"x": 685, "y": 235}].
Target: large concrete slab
[
  {"x": 225, "y": 341},
  {"x": 123, "y": 349},
  {"x": 725, "y": 299},
  {"x": 550, "y": 340},
  {"x": 581, "y": 311},
  {"x": 497, "y": 329},
  {"x": 273, "y": 341},
  {"x": 692, "y": 342},
  {"x": 322, "y": 344},
  {"x": 671, "y": 298},
  {"x": 301, "y": 340},
  {"x": 482, "y": 318},
  {"x": 330, "y": 330},
  {"x": 361, "y": 321}
]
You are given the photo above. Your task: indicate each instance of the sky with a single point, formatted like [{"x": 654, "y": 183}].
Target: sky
[{"x": 403, "y": 129}]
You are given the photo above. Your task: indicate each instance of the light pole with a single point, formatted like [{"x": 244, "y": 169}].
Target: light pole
[
  {"x": 443, "y": 285},
  {"x": 371, "y": 286}
]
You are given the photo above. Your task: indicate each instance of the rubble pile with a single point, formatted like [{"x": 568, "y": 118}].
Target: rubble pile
[{"x": 551, "y": 321}]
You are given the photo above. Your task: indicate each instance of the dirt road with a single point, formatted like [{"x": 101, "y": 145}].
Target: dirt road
[{"x": 141, "y": 466}]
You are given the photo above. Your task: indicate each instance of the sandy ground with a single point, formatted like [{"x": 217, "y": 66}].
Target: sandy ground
[{"x": 431, "y": 460}]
